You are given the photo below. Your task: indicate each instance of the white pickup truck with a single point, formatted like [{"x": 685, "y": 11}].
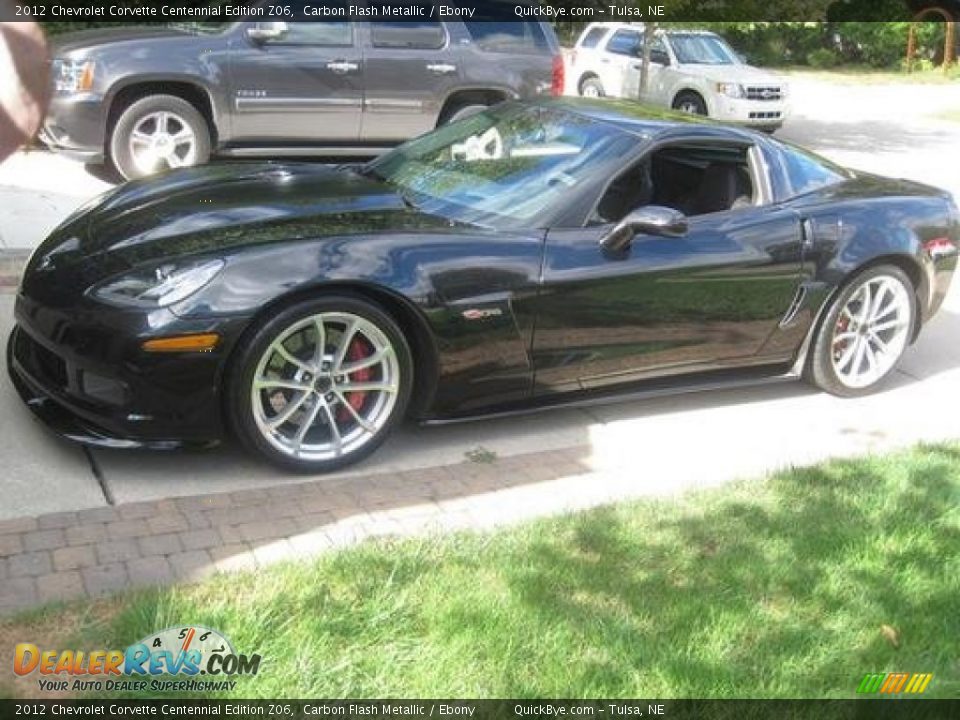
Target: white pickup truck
[{"x": 692, "y": 71}]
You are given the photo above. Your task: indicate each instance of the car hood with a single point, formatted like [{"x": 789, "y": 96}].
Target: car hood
[
  {"x": 215, "y": 210},
  {"x": 90, "y": 39},
  {"x": 736, "y": 74}
]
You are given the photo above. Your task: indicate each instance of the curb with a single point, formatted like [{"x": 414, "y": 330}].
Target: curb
[{"x": 105, "y": 550}]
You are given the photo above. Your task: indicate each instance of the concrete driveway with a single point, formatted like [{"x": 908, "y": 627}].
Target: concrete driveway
[{"x": 634, "y": 448}]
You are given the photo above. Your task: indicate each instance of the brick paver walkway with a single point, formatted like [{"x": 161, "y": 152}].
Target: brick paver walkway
[{"x": 103, "y": 550}]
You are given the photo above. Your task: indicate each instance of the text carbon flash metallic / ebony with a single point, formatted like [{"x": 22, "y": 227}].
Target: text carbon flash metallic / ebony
[{"x": 529, "y": 255}]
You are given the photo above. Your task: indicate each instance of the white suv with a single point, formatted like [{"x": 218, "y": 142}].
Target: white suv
[{"x": 692, "y": 71}]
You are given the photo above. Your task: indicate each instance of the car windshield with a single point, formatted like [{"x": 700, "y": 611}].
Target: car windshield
[
  {"x": 702, "y": 50},
  {"x": 514, "y": 165}
]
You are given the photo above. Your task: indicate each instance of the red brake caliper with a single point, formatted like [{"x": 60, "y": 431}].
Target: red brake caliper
[{"x": 358, "y": 350}]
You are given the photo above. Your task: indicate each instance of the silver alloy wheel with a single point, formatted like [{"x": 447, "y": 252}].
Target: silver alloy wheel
[
  {"x": 871, "y": 331},
  {"x": 162, "y": 139},
  {"x": 314, "y": 398},
  {"x": 689, "y": 106},
  {"x": 591, "y": 90}
]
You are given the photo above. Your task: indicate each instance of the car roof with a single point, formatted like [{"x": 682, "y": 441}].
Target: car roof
[
  {"x": 638, "y": 27},
  {"x": 648, "y": 120}
]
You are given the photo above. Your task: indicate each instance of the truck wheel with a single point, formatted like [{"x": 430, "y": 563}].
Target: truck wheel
[
  {"x": 592, "y": 87},
  {"x": 690, "y": 102},
  {"x": 156, "y": 133}
]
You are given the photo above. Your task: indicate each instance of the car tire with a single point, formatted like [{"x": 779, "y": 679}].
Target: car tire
[
  {"x": 156, "y": 133},
  {"x": 864, "y": 333},
  {"x": 462, "y": 112},
  {"x": 690, "y": 102},
  {"x": 342, "y": 427},
  {"x": 591, "y": 87}
]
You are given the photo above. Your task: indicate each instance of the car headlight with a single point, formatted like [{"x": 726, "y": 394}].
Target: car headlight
[
  {"x": 158, "y": 286},
  {"x": 734, "y": 90},
  {"x": 72, "y": 76}
]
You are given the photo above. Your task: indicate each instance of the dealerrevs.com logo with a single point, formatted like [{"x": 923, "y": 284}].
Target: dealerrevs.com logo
[{"x": 178, "y": 659}]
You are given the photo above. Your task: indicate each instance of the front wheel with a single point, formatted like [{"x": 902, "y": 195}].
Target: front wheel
[
  {"x": 865, "y": 332},
  {"x": 321, "y": 385},
  {"x": 156, "y": 133},
  {"x": 690, "y": 103}
]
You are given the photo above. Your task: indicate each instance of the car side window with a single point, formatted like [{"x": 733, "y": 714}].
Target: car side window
[
  {"x": 807, "y": 173},
  {"x": 410, "y": 35},
  {"x": 694, "y": 179},
  {"x": 625, "y": 42},
  {"x": 593, "y": 38},
  {"x": 329, "y": 34}
]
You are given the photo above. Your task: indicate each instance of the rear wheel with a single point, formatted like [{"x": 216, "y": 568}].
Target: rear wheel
[
  {"x": 322, "y": 384},
  {"x": 464, "y": 112},
  {"x": 592, "y": 87},
  {"x": 865, "y": 332},
  {"x": 156, "y": 133}
]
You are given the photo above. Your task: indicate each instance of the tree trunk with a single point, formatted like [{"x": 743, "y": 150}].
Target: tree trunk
[{"x": 649, "y": 33}]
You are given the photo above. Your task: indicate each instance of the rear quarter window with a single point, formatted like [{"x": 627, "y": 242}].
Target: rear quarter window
[
  {"x": 507, "y": 36},
  {"x": 806, "y": 172},
  {"x": 593, "y": 38}
]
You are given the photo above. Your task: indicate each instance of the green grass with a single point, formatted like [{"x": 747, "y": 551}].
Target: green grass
[{"x": 772, "y": 588}]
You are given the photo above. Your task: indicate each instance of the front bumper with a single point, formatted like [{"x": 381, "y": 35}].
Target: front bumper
[
  {"x": 755, "y": 113},
  {"x": 83, "y": 373},
  {"x": 76, "y": 127}
]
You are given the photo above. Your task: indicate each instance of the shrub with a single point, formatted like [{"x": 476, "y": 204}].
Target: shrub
[{"x": 822, "y": 58}]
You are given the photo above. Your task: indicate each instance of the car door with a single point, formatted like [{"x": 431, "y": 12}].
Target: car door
[
  {"x": 296, "y": 82},
  {"x": 711, "y": 298},
  {"x": 410, "y": 68}
]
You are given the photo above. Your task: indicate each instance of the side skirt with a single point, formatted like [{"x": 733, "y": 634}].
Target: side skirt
[{"x": 706, "y": 382}]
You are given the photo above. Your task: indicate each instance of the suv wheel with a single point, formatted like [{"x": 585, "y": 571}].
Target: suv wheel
[
  {"x": 690, "y": 102},
  {"x": 159, "y": 132},
  {"x": 591, "y": 87},
  {"x": 464, "y": 112}
]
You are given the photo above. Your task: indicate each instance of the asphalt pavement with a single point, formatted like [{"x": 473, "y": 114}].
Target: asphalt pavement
[{"x": 670, "y": 444}]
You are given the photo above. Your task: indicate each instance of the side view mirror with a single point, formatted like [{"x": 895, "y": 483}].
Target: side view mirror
[
  {"x": 650, "y": 220},
  {"x": 262, "y": 32},
  {"x": 660, "y": 57}
]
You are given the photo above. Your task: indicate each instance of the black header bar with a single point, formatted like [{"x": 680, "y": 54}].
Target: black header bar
[{"x": 150, "y": 11}]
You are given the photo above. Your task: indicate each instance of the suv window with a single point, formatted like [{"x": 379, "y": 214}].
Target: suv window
[
  {"x": 317, "y": 33},
  {"x": 413, "y": 35},
  {"x": 625, "y": 42},
  {"x": 504, "y": 36},
  {"x": 593, "y": 38}
]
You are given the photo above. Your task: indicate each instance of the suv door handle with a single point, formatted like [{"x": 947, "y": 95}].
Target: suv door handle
[
  {"x": 441, "y": 68},
  {"x": 342, "y": 67}
]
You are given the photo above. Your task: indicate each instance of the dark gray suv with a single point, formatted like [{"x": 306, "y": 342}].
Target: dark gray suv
[{"x": 150, "y": 98}]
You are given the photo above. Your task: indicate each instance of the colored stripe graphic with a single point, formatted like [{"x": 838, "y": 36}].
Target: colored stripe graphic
[{"x": 894, "y": 683}]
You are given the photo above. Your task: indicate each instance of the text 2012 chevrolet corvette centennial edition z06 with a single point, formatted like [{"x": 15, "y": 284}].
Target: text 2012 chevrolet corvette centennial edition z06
[{"x": 532, "y": 254}]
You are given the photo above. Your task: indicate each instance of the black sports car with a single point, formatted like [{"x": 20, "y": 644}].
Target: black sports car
[{"x": 529, "y": 255}]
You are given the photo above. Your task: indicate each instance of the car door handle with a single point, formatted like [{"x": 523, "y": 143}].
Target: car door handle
[
  {"x": 441, "y": 68},
  {"x": 342, "y": 66}
]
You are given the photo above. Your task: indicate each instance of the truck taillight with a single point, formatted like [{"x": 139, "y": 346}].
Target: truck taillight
[{"x": 556, "y": 86}]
